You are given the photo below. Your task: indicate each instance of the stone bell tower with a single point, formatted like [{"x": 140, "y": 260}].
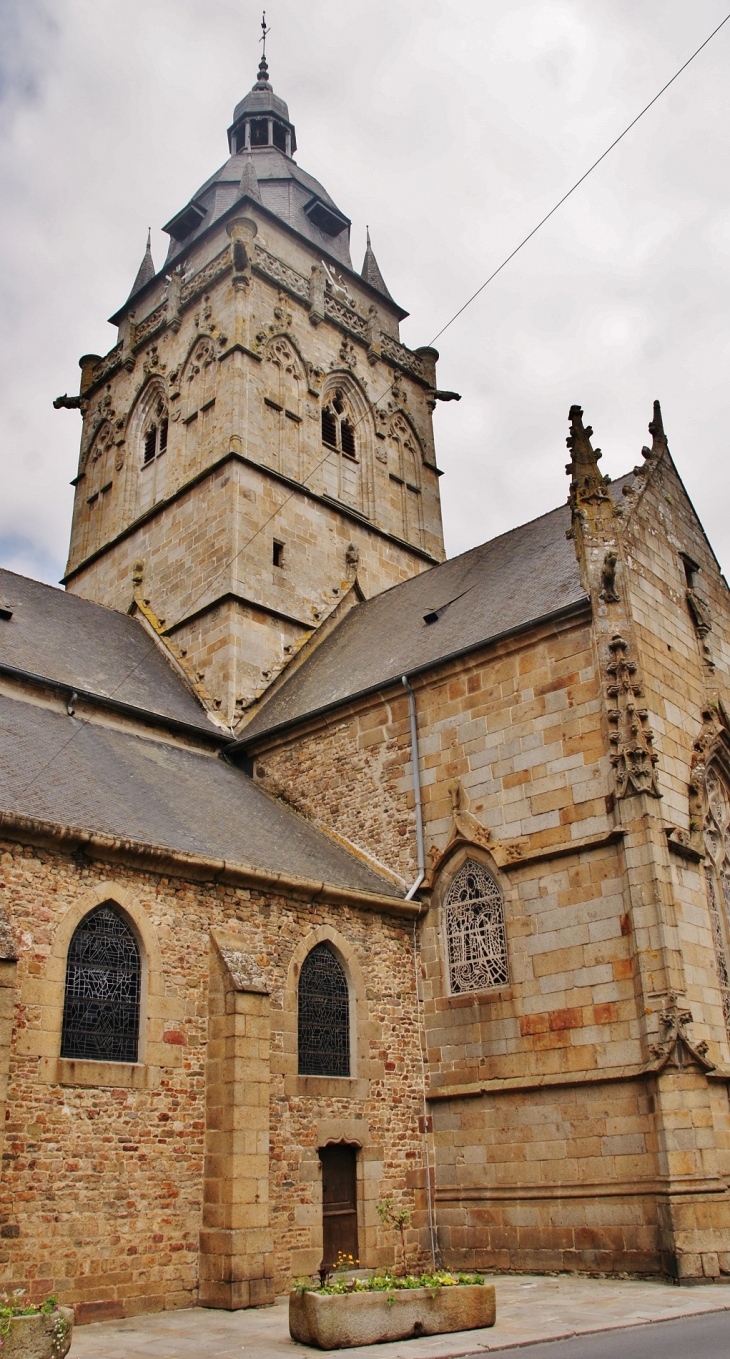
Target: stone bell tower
[{"x": 257, "y": 447}]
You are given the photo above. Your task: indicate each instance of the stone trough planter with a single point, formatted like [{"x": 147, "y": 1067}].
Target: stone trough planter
[
  {"x": 46, "y": 1335},
  {"x": 338, "y": 1321}
]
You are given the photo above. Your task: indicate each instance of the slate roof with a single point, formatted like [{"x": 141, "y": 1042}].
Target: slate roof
[
  {"x": 492, "y": 590},
  {"x": 87, "y": 646},
  {"x": 284, "y": 188},
  {"x": 66, "y": 771}
]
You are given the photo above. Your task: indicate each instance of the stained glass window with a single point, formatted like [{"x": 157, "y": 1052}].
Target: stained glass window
[
  {"x": 324, "y": 1015},
  {"x": 475, "y": 936},
  {"x": 716, "y": 832},
  {"x": 103, "y": 976}
]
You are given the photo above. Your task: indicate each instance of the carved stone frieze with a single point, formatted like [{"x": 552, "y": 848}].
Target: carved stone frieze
[
  {"x": 156, "y": 321},
  {"x": 279, "y": 272},
  {"x": 108, "y": 365},
  {"x": 404, "y": 358},
  {"x": 633, "y": 759},
  {"x": 197, "y": 283},
  {"x": 337, "y": 310}
]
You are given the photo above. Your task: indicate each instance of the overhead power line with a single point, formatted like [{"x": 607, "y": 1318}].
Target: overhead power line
[
  {"x": 580, "y": 181},
  {"x": 376, "y": 403}
]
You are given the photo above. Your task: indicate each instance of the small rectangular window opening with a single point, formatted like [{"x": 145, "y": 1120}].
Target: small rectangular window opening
[
  {"x": 278, "y": 554},
  {"x": 690, "y": 570}
]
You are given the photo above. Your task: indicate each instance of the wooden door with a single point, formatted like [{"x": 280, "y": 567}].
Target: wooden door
[{"x": 339, "y": 1203}]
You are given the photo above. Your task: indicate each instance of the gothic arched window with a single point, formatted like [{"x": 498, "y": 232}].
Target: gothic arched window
[
  {"x": 405, "y": 484},
  {"x": 103, "y": 989},
  {"x": 716, "y": 832},
  {"x": 342, "y": 467},
  {"x": 284, "y": 374},
  {"x": 324, "y": 1015},
  {"x": 476, "y": 942}
]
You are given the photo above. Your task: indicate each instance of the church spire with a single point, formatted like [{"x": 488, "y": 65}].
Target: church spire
[
  {"x": 371, "y": 271},
  {"x": 146, "y": 269}
]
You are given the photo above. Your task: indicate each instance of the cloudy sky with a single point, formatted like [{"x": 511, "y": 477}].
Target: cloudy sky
[{"x": 450, "y": 128}]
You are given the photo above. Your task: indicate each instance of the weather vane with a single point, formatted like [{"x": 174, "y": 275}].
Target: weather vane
[{"x": 264, "y": 32}]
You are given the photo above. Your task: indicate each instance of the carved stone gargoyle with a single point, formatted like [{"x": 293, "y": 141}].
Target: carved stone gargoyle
[
  {"x": 674, "y": 1048},
  {"x": 608, "y": 578}
]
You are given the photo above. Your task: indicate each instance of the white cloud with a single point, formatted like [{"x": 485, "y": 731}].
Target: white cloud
[{"x": 450, "y": 128}]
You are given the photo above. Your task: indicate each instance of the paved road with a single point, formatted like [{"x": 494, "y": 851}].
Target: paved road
[{"x": 704, "y": 1337}]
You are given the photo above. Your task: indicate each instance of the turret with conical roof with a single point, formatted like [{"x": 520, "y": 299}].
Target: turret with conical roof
[
  {"x": 371, "y": 270},
  {"x": 146, "y": 270}
]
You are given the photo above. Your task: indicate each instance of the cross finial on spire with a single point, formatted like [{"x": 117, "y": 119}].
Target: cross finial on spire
[{"x": 263, "y": 76}]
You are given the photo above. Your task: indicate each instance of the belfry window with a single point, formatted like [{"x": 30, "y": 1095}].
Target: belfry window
[
  {"x": 259, "y": 132},
  {"x": 154, "y": 439},
  {"x": 338, "y": 430},
  {"x": 103, "y": 988},
  {"x": 476, "y": 942},
  {"x": 324, "y": 1015}
]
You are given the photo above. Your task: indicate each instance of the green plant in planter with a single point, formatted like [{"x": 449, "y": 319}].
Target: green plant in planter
[
  {"x": 18, "y": 1304},
  {"x": 388, "y": 1283}
]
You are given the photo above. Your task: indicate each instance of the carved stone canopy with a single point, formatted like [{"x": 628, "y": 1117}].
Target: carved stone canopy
[
  {"x": 675, "y": 1048},
  {"x": 466, "y": 829}
]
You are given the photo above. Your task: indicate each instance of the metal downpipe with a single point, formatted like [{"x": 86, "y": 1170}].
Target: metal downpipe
[{"x": 416, "y": 762}]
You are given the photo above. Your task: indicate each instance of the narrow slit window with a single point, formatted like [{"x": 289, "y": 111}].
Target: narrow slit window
[
  {"x": 278, "y": 554},
  {"x": 324, "y": 1015}
]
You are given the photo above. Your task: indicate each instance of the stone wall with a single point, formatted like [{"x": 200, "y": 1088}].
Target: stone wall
[
  {"x": 239, "y": 364},
  {"x": 516, "y": 771},
  {"x": 107, "y": 1167}
]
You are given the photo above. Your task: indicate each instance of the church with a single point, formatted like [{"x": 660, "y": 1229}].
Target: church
[{"x": 333, "y": 871}]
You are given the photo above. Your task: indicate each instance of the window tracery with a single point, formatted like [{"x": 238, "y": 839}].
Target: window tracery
[
  {"x": 324, "y": 1015},
  {"x": 285, "y": 375},
  {"x": 149, "y": 436},
  {"x": 339, "y": 434},
  {"x": 476, "y": 941},
  {"x": 404, "y": 461},
  {"x": 716, "y": 834},
  {"x": 103, "y": 990}
]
